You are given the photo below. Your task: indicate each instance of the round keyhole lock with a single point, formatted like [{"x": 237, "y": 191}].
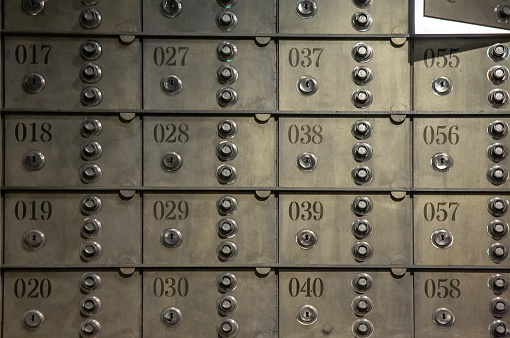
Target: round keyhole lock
[
  {"x": 361, "y": 206},
  {"x": 497, "y": 130},
  {"x": 362, "y": 152},
  {"x": 90, "y": 282},
  {"x": 226, "y": 3},
  {"x": 307, "y": 85},
  {"x": 361, "y": 130},
  {"x": 498, "y": 98},
  {"x": 171, "y": 8},
  {"x": 361, "y": 283},
  {"x": 32, "y": 320},
  {"x": 307, "y": 315},
  {"x": 362, "y": 3},
  {"x": 497, "y": 152},
  {"x": 226, "y": 20},
  {"x": 362, "y": 251},
  {"x": 226, "y": 174},
  {"x": 498, "y": 74},
  {"x": 227, "y": 328},
  {"x": 90, "y": 18},
  {"x": 90, "y": 227},
  {"x": 171, "y": 84},
  {"x": 226, "y": 75},
  {"x": 227, "y": 51},
  {"x": 226, "y": 97},
  {"x": 227, "y": 129},
  {"x": 306, "y": 239},
  {"x": 497, "y": 175},
  {"x": 362, "y": 75},
  {"x": 361, "y": 52},
  {"x": 497, "y": 206},
  {"x": 34, "y": 83},
  {"x": 90, "y": 50},
  {"x": 90, "y": 73},
  {"x": 91, "y": 96},
  {"x": 498, "y": 283},
  {"x": 91, "y": 150},
  {"x": 91, "y": 251},
  {"x": 306, "y": 162},
  {"x": 226, "y": 151},
  {"x": 33, "y": 7},
  {"x": 226, "y": 250},
  {"x": 90, "y": 328},
  {"x": 226, "y": 282},
  {"x": 498, "y": 52},
  {"x": 34, "y": 239},
  {"x": 362, "y": 328},
  {"x": 361, "y": 21},
  {"x": 499, "y": 307},
  {"x": 362, "y": 305},
  {"x": 362, "y": 228},
  {"x": 34, "y": 160},
  {"x": 498, "y": 252},
  {"x": 441, "y": 162},
  {"x": 91, "y": 127},
  {"x": 498, "y": 329},
  {"x": 362, "y": 98},
  {"x": 361, "y": 175},
  {"x": 443, "y": 317},
  {"x": 171, "y": 161},
  {"x": 227, "y": 228},
  {"x": 306, "y": 8},
  {"x": 442, "y": 239},
  {"x": 171, "y": 316},
  {"x": 502, "y": 13},
  {"x": 226, "y": 205},
  {"x": 90, "y": 305},
  {"x": 442, "y": 86},
  {"x": 497, "y": 229},
  {"x": 226, "y": 305},
  {"x": 171, "y": 238}
]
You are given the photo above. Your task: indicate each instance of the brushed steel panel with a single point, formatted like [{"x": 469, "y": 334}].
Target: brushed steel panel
[
  {"x": 199, "y": 17},
  {"x": 466, "y": 63},
  {"x": 255, "y": 162},
  {"x": 120, "y": 297},
  {"x": 391, "y": 238},
  {"x": 120, "y": 83},
  {"x": 469, "y": 154},
  {"x": 63, "y": 16},
  {"x": 470, "y": 307},
  {"x": 255, "y": 239},
  {"x": 332, "y": 68},
  {"x": 467, "y": 222},
  {"x": 392, "y": 304},
  {"x": 197, "y": 67},
  {"x": 390, "y": 163},
  {"x": 255, "y": 294},
  {"x": 335, "y": 17},
  {"x": 120, "y": 141},
  {"x": 119, "y": 237}
]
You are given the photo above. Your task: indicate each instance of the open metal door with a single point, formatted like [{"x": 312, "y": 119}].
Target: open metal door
[{"x": 492, "y": 13}]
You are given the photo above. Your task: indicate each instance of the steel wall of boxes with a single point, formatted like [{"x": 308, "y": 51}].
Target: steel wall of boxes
[{"x": 252, "y": 168}]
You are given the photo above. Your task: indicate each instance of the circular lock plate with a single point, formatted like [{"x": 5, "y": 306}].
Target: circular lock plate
[
  {"x": 306, "y": 239},
  {"x": 443, "y": 317},
  {"x": 32, "y": 320},
  {"x": 307, "y": 314},
  {"x": 442, "y": 239}
]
